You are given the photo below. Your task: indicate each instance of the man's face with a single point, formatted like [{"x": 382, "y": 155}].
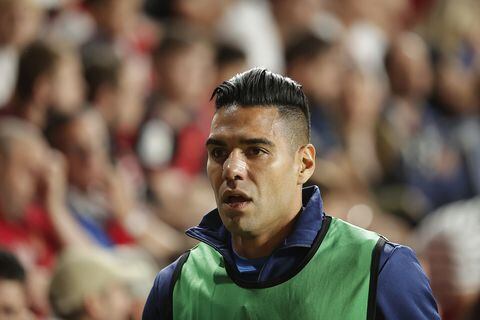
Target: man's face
[
  {"x": 19, "y": 177},
  {"x": 253, "y": 169},
  {"x": 84, "y": 146},
  {"x": 115, "y": 304},
  {"x": 13, "y": 301}
]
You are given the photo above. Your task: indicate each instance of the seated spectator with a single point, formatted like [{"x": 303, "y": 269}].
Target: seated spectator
[
  {"x": 49, "y": 80},
  {"x": 98, "y": 193},
  {"x": 13, "y": 296},
  {"x": 90, "y": 286},
  {"x": 122, "y": 24},
  {"x": 103, "y": 74},
  {"x": 229, "y": 60},
  {"x": 447, "y": 243},
  {"x": 34, "y": 223},
  {"x": 419, "y": 161},
  {"x": 19, "y": 24},
  {"x": 319, "y": 66},
  {"x": 456, "y": 98},
  {"x": 171, "y": 144},
  {"x": 110, "y": 92}
]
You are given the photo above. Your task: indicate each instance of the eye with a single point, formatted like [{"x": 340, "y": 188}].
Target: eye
[
  {"x": 254, "y": 152},
  {"x": 218, "y": 153}
]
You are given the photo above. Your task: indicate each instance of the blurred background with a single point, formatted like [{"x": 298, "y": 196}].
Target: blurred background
[{"x": 105, "y": 107}]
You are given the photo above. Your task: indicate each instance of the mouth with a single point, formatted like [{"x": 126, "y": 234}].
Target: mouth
[{"x": 236, "y": 201}]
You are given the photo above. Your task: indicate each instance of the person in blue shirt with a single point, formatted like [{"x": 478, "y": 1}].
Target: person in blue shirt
[{"x": 269, "y": 233}]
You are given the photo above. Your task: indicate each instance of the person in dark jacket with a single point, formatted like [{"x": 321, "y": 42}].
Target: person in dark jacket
[{"x": 269, "y": 250}]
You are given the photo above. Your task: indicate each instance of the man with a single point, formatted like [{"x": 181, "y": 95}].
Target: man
[
  {"x": 20, "y": 22},
  {"x": 453, "y": 264},
  {"x": 49, "y": 81},
  {"x": 268, "y": 250},
  {"x": 89, "y": 285},
  {"x": 34, "y": 222},
  {"x": 98, "y": 193},
  {"x": 13, "y": 297}
]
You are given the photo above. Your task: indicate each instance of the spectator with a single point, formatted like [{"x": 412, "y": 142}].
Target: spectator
[
  {"x": 452, "y": 263},
  {"x": 229, "y": 60},
  {"x": 430, "y": 176},
  {"x": 123, "y": 25},
  {"x": 98, "y": 194},
  {"x": 102, "y": 71},
  {"x": 49, "y": 80},
  {"x": 319, "y": 66},
  {"x": 19, "y": 24},
  {"x": 171, "y": 142},
  {"x": 104, "y": 296},
  {"x": 13, "y": 297},
  {"x": 34, "y": 227},
  {"x": 344, "y": 120}
]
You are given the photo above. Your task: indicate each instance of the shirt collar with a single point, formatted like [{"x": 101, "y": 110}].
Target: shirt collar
[{"x": 309, "y": 221}]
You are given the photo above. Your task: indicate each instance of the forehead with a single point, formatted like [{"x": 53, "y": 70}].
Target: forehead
[
  {"x": 244, "y": 122},
  {"x": 28, "y": 151},
  {"x": 88, "y": 127},
  {"x": 11, "y": 294}
]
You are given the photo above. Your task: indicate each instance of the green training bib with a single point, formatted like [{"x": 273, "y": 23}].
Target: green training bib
[{"x": 333, "y": 282}]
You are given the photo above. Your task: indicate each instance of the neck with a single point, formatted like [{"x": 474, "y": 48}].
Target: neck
[{"x": 262, "y": 245}]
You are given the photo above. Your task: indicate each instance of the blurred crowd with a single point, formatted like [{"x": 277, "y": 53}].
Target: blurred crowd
[{"x": 105, "y": 108}]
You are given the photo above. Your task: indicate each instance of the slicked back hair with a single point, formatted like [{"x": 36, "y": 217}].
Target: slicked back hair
[{"x": 260, "y": 87}]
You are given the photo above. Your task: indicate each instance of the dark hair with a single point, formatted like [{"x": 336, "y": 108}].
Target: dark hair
[
  {"x": 102, "y": 66},
  {"x": 306, "y": 47},
  {"x": 260, "y": 87},
  {"x": 10, "y": 267},
  {"x": 228, "y": 53},
  {"x": 178, "y": 38},
  {"x": 36, "y": 60}
]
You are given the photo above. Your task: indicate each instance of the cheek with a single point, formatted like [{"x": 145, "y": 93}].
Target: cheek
[
  {"x": 277, "y": 183},
  {"x": 23, "y": 185},
  {"x": 214, "y": 173}
]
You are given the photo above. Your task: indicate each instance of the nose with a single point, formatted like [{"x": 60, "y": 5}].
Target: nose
[{"x": 234, "y": 167}]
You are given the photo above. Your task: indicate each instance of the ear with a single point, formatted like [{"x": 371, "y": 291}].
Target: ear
[{"x": 307, "y": 166}]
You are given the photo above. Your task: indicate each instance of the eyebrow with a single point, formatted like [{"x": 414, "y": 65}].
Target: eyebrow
[
  {"x": 251, "y": 141},
  {"x": 257, "y": 141},
  {"x": 215, "y": 142}
]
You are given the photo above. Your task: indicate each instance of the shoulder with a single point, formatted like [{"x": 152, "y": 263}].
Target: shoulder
[
  {"x": 158, "y": 301},
  {"x": 403, "y": 288}
]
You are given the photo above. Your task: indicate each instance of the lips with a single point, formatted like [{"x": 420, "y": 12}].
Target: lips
[{"x": 236, "y": 200}]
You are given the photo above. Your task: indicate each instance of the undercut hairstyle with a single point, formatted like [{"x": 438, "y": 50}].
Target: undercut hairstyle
[
  {"x": 260, "y": 87},
  {"x": 10, "y": 268}
]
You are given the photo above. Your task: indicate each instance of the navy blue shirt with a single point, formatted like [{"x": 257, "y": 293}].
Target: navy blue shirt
[{"x": 403, "y": 290}]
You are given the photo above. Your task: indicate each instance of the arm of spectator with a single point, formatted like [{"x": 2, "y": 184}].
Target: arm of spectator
[
  {"x": 403, "y": 288},
  {"x": 67, "y": 229},
  {"x": 157, "y": 237},
  {"x": 182, "y": 199}
]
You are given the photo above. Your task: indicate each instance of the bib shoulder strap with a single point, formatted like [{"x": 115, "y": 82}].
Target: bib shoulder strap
[
  {"x": 176, "y": 274},
  {"x": 372, "y": 293}
]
